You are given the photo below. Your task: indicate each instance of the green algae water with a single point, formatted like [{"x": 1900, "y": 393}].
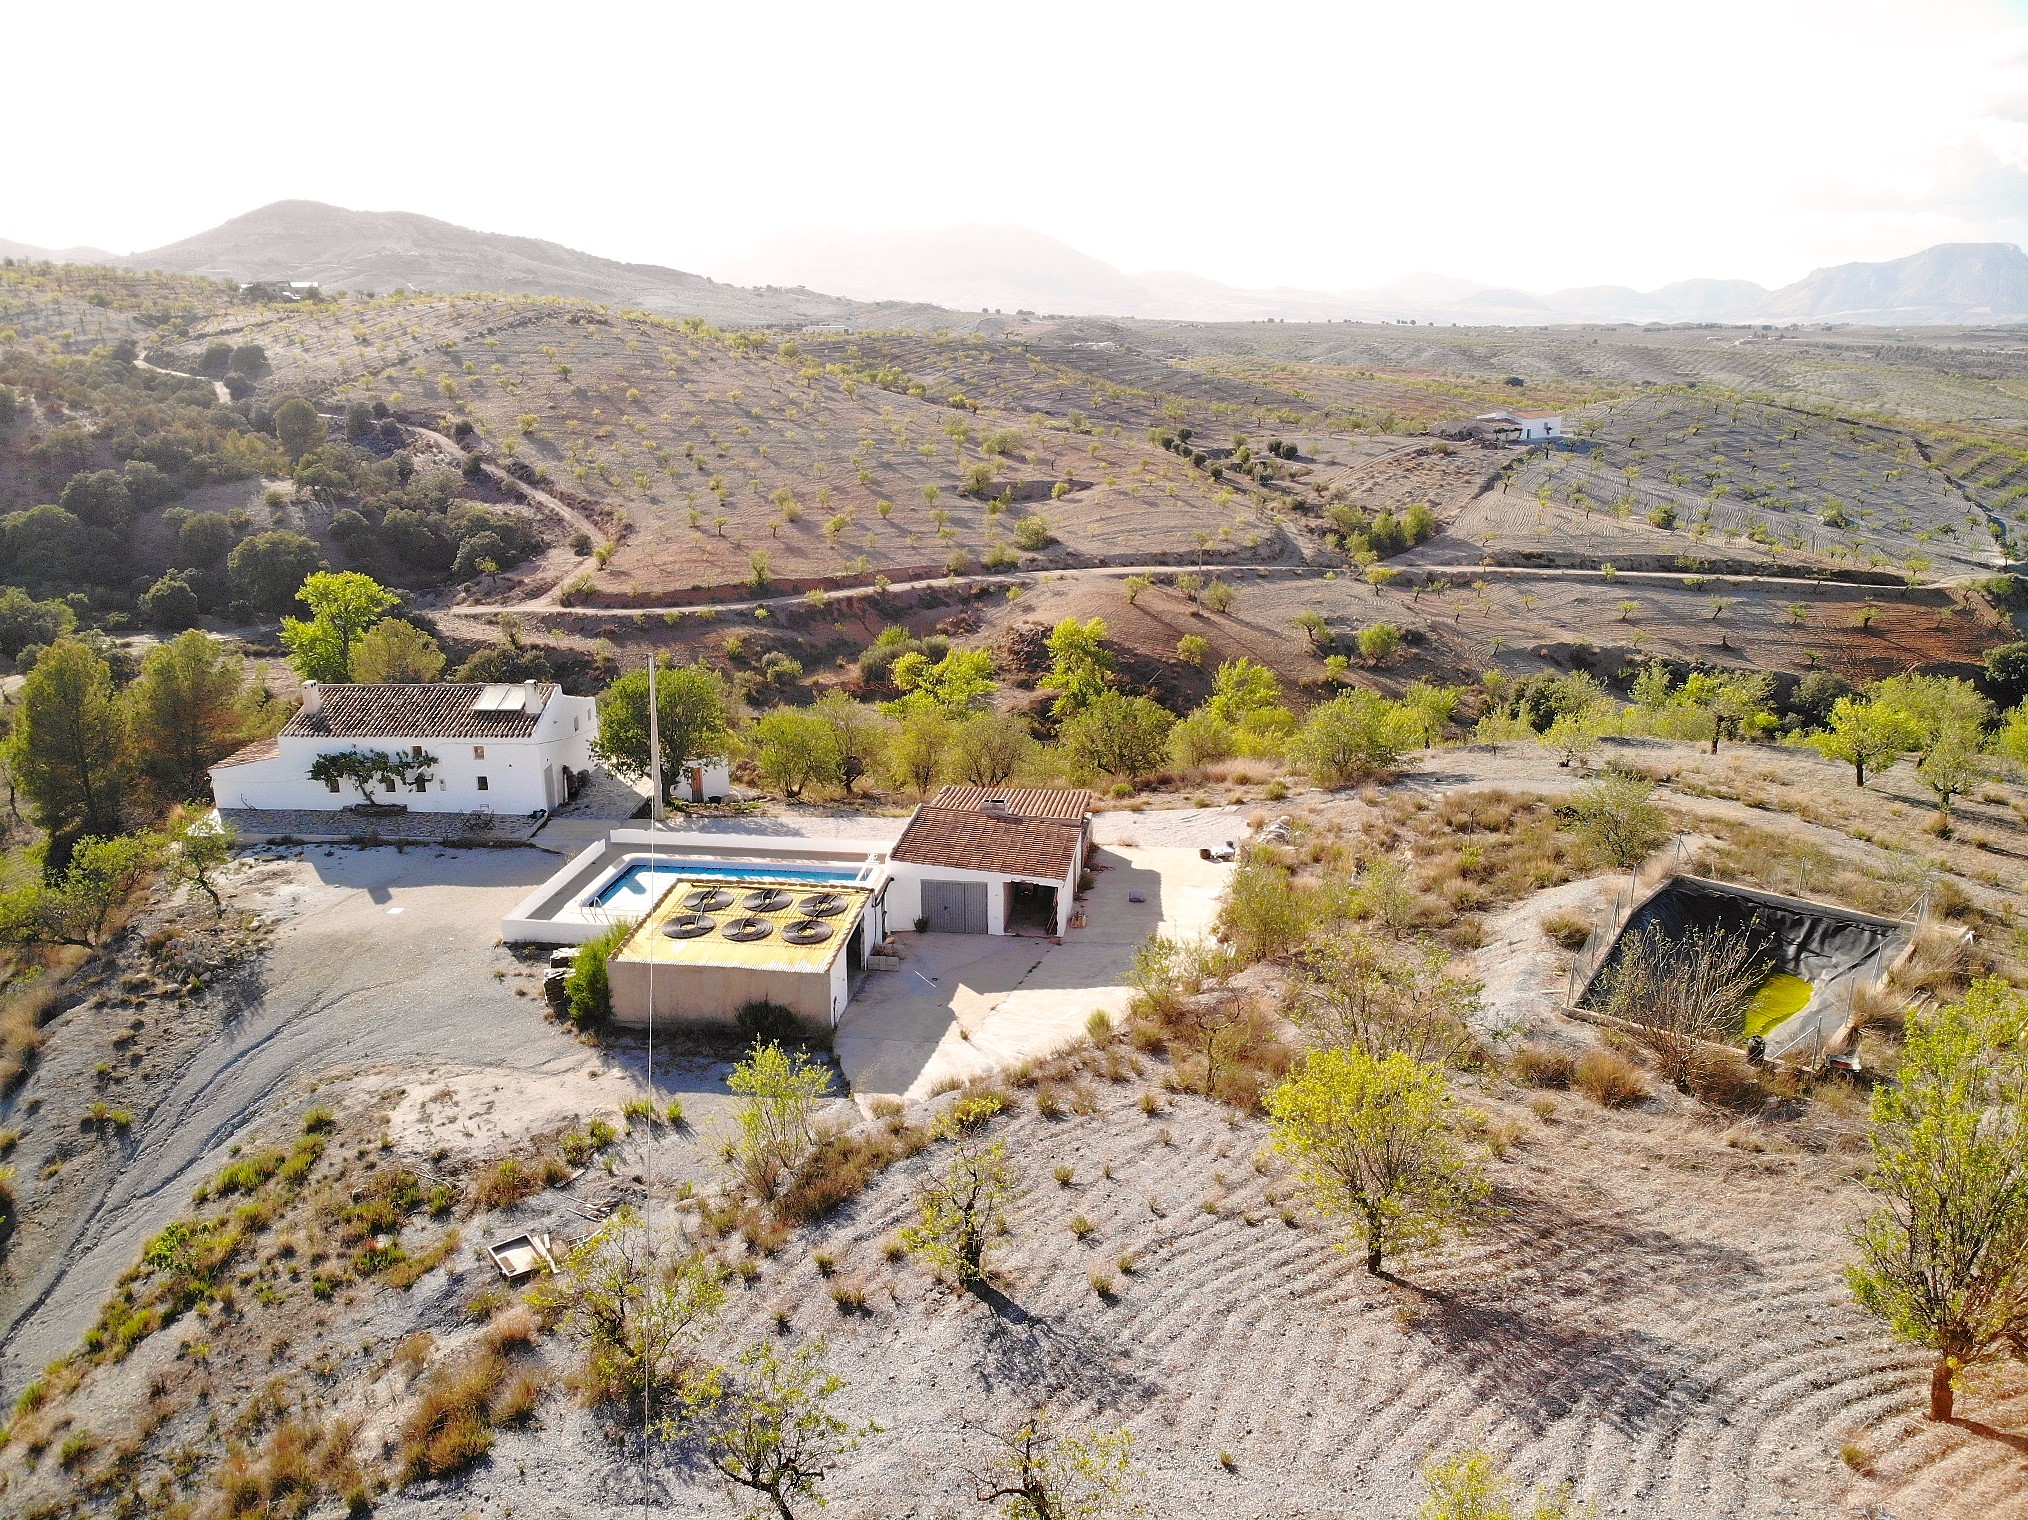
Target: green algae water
[{"x": 1781, "y": 996}]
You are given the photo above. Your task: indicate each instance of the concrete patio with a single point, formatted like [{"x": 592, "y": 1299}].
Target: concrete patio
[{"x": 964, "y": 1005}]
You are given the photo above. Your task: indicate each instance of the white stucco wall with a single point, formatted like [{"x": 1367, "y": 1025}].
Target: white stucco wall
[
  {"x": 514, "y": 769},
  {"x": 904, "y": 893}
]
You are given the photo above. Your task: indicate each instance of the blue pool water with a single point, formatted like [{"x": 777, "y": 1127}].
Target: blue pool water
[{"x": 641, "y": 883}]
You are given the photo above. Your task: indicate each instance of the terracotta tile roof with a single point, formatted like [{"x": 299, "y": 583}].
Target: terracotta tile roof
[
  {"x": 1040, "y": 802},
  {"x": 260, "y": 749},
  {"x": 442, "y": 711},
  {"x": 969, "y": 840}
]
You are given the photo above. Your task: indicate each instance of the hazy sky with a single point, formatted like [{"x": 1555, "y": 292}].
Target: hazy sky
[{"x": 1326, "y": 146}]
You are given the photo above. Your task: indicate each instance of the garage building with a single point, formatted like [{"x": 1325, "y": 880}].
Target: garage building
[{"x": 981, "y": 860}]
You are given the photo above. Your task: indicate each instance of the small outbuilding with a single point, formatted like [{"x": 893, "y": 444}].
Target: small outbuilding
[
  {"x": 1524, "y": 427},
  {"x": 986, "y": 860}
]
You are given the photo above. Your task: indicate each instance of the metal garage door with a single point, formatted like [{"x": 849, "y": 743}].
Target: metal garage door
[{"x": 954, "y": 907}]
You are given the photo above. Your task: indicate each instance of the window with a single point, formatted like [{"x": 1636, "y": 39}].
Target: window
[
  {"x": 478, "y": 752},
  {"x": 417, "y": 752},
  {"x": 482, "y": 784},
  {"x": 331, "y": 785}
]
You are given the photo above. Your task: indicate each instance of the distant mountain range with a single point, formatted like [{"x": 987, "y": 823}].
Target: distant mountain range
[
  {"x": 934, "y": 277},
  {"x": 1015, "y": 268}
]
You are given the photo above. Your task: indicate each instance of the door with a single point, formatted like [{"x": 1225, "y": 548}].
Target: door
[{"x": 954, "y": 907}]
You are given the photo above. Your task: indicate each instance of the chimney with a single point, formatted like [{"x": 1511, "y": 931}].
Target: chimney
[{"x": 313, "y": 699}]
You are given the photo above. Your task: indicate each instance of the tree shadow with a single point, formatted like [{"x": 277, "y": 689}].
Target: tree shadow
[
  {"x": 1039, "y": 1358},
  {"x": 1536, "y": 1339},
  {"x": 1991, "y": 1433}
]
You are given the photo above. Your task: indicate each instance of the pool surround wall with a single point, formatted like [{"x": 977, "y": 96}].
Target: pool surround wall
[{"x": 564, "y": 910}]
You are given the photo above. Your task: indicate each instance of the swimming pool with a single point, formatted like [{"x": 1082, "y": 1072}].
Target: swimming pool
[{"x": 643, "y": 882}]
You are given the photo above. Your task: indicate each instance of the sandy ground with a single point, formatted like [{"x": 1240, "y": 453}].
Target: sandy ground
[
  {"x": 962, "y": 1005},
  {"x": 383, "y": 959}
]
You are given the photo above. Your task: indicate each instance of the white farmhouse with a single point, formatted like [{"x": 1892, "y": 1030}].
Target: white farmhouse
[
  {"x": 455, "y": 747},
  {"x": 1529, "y": 427}
]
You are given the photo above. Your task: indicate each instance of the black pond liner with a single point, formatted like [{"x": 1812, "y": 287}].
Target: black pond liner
[
  {"x": 824, "y": 904},
  {"x": 767, "y": 900},
  {"x": 807, "y": 931},
  {"x": 689, "y": 926},
  {"x": 708, "y": 900},
  {"x": 745, "y": 930},
  {"x": 1833, "y": 949}
]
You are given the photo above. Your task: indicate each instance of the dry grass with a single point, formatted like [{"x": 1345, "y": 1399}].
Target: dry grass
[
  {"x": 21, "y": 1015},
  {"x": 1570, "y": 930},
  {"x": 840, "y": 1165},
  {"x": 1609, "y": 1080},
  {"x": 1544, "y": 1065},
  {"x": 509, "y": 1180},
  {"x": 452, "y": 1424}
]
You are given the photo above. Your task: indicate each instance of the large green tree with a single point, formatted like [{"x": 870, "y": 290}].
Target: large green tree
[
  {"x": 269, "y": 568},
  {"x": 794, "y": 749},
  {"x": 343, "y": 606},
  {"x": 69, "y": 751},
  {"x": 193, "y": 704},
  {"x": 298, "y": 427},
  {"x": 1866, "y": 735},
  {"x": 1944, "y": 1260},
  {"x": 1116, "y": 735},
  {"x": 694, "y": 713},
  {"x": 396, "y": 650},
  {"x": 1081, "y": 667}
]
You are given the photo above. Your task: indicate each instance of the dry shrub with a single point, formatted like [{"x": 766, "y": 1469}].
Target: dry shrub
[
  {"x": 1877, "y": 1009},
  {"x": 1941, "y": 966},
  {"x": 839, "y": 1166},
  {"x": 451, "y": 1426},
  {"x": 1544, "y": 1065},
  {"x": 513, "y": 1329},
  {"x": 1568, "y": 929},
  {"x": 21, "y": 1017},
  {"x": 1724, "y": 1079},
  {"x": 1609, "y": 1080},
  {"x": 509, "y": 1180}
]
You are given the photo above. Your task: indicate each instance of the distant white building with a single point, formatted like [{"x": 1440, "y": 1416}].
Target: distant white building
[
  {"x": 447, "y": 748},
  {"x": 1528, "y": 427}
]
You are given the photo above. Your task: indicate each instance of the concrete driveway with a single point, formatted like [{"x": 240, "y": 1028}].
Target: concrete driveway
[{"x": 964, "y": 1005}]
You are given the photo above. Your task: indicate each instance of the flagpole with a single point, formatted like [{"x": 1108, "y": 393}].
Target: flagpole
[{"x": 648, "y": 1161}]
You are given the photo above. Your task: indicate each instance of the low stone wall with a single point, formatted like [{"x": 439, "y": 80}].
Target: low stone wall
[{"x": 331, "y": 826}]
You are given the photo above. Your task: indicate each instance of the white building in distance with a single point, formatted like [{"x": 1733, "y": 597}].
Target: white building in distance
[
  {"x": 1529, "y": 427},
  {"x": 448, "y": 748}
]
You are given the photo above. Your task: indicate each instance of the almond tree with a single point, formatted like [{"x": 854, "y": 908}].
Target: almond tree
[
  {"x": 1944, "y": 1260},
  {"x": 1373, "y": 1143},
  {"x": 960, "y": 1212},
  {"x": 1044, "y": 1473}
]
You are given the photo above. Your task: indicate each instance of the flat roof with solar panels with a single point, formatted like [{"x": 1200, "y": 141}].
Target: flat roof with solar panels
[{"x": 706, "y": 922}]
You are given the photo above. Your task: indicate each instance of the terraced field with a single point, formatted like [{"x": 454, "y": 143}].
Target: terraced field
[
  {"x": 830, "y": 462},
  {"x": 1720, "y": 469}
]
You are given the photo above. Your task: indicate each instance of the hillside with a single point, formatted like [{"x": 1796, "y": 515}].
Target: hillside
[{"x": 373, "y": 251}]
